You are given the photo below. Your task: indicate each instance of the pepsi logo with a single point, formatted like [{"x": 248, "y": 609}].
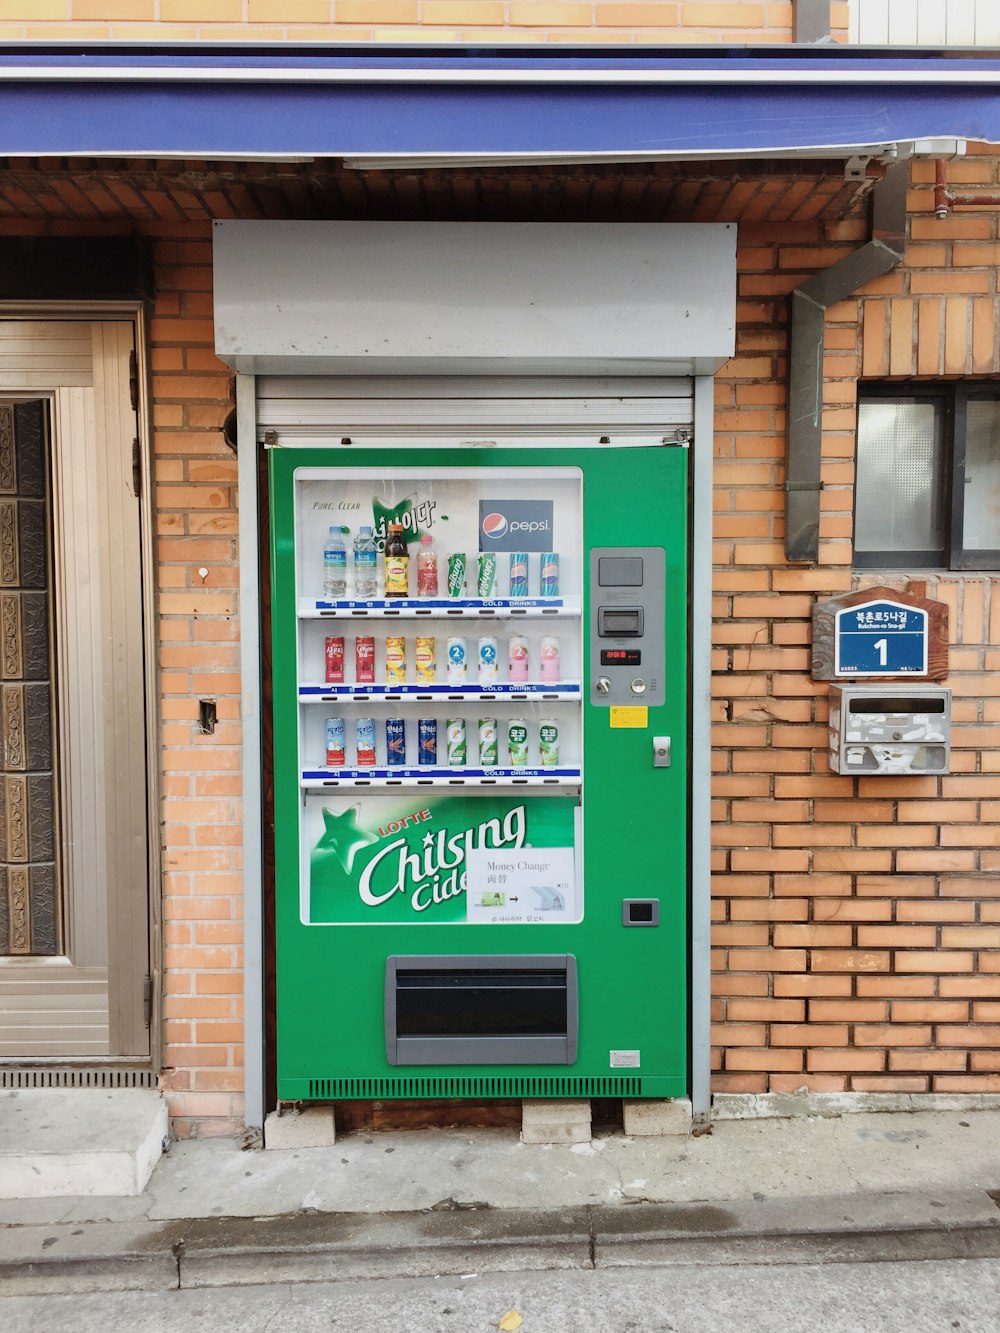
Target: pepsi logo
[{"x": 494, "y": 525}]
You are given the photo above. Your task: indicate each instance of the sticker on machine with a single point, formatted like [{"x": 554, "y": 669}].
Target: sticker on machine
[
  {"x": 624, "y": 1059},
  {"x": 530, "y": 886},
  {"x": 382, "y": 858}
]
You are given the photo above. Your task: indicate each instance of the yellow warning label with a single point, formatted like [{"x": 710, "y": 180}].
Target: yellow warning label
[{"x": 629, "y": 717}]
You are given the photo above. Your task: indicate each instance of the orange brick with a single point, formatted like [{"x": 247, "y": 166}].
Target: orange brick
[
  {"x": 938, "y": 961},
  {"x": 791, "y": 936},
  {"x": 897, "y": 937},
  {"x": 810, "y": 986},
  {"x": 766, "y": 1010},
  {"x": 767, "y": 960},
  {"x": 766, "y": 1059},
  {"x": 108, "y": 10},
  {"x": 895, "y": 986},
  {"x": 932, "y": 1061},
  {"x": 929, "y": 1011},
  {"x": 849, "y": 960},
  {"x": 847, "y": 1011},
  {"x": 888, "y": 1034},
  {"x": 809, "y": 1034},
  {"x": 845, "y": 1061}
]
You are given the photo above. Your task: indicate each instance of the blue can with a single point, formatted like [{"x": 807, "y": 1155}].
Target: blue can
[
  {"x": 518, "y": 573},
  {"x": 395, "y": 741},
  {"x": 364, "y": 738},
  {"x": 549, "y": 562},
  {"x": 427, "y": 731}
]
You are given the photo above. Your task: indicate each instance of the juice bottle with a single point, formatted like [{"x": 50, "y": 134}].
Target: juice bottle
[{"x": 427, "y": 568}]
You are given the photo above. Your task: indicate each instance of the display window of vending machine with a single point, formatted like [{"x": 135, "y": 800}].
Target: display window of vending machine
[{"x": 479, "y": 670}]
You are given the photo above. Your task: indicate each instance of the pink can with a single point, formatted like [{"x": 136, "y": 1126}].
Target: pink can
[
  {"x": 517, "y": 668},
  {"x": 550, "y": 660}
]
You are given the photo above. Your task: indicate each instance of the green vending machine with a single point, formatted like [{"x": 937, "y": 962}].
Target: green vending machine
[{"x": 479, "y": 666}]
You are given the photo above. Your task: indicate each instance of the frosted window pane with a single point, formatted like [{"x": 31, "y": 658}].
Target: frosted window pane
[
  {"x": 982, "y": 476},
  {"x": 899, "y": 500}
]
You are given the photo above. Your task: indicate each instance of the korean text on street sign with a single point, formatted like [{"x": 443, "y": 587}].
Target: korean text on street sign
[{"x": 880, "y": 639}]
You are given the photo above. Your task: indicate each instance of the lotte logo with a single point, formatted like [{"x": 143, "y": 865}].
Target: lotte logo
[{"x": 494, "y": 525}]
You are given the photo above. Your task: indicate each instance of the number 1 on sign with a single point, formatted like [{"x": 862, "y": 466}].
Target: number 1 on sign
[{"x": 883, "y": 651}]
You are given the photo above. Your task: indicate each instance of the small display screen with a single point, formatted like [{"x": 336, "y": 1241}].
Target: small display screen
[{"x": 621, "y": 657}]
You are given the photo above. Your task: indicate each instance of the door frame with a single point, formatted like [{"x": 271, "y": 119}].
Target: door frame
[{"x": 118, "y": 1070}]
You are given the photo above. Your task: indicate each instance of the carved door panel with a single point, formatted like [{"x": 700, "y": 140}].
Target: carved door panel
[{"x": 73, "y": 806}]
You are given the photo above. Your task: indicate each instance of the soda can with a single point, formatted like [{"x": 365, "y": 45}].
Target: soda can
[
  {"x": 456, "y": 742},
  {"x": 336, "y": 740},
  {"x": 425, "y": 660},
  {"x": 456, "y": 661},
  {"x": 518, "y": 573},
  {"x": 549, "y": 563},
  {"x": 456, "y": 574},
  {"x": 548, "y": 743},
  {"x": 427, "y": 740},
  {"x": 335, "y": 661},
  {"x": 364, "y": 660},
  {"x": 517, "y": 662},
  {"x": 487, "y": 581},
  {"x": 488, "y": 664},
  {"x": 395, "y": 660},
  {"x": 550, "y": 659},
  {"x": 395, "y": 741},
  {"x": 487, "y": 742},
  {"x": 517, "y": 743},
  {"x": 364, "y": 737}
]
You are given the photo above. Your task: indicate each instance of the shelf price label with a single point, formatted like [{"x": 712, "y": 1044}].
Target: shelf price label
[{"x": 880, "y": 638}]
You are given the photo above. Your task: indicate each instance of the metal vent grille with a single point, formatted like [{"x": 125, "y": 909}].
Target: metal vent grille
[
  {"x": 355, "y": 1089},
  {"x": 77, "y": 1078}
]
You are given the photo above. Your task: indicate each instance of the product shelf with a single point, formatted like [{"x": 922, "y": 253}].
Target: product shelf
[
  {"x": 555, "y": 691},
  {"x": 320, "y": 779},
  {"x": 442, "y": 608}
]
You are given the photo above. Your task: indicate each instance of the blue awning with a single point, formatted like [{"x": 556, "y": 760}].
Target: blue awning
[{"x": 371, "y": 102}]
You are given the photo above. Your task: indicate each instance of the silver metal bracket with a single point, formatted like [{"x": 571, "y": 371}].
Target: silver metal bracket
[{"x": 661, "y": 751}]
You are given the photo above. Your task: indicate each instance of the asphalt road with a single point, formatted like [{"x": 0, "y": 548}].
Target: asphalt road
[{"x": 928, "y": 1297}]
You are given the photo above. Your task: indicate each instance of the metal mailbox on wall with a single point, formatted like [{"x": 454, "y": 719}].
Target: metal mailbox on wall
[{"x": 888, "y": 730}]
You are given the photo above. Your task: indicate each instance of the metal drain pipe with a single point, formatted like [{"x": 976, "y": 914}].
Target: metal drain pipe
[
  {"x": 945, "y": 200},
  {"x": 881, "y": 253}
]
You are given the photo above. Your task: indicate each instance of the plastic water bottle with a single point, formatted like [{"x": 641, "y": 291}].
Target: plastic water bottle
[
  {"x": 335, "y": 565},
  {"x": 365, "y": 564}
]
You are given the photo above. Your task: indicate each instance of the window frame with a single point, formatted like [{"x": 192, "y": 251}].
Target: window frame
[{"x": 953, "y": 397}]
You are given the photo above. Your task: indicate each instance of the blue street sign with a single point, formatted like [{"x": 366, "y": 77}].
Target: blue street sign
[{"x": 880, "y": 639}]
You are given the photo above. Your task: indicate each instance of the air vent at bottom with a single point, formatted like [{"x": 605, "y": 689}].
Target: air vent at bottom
[
  {"x": 358, "y": 1089},
  {"x": 77, "y": 1078}
]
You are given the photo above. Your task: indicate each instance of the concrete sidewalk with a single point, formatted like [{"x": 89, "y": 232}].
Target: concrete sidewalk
[{"x": 870, "y": 1185}]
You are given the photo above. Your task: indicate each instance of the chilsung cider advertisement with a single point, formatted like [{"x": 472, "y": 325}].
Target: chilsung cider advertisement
[{"x": 419, "y": 858}]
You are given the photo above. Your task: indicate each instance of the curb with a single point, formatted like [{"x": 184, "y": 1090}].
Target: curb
[{"x": 332, "y": 1247}]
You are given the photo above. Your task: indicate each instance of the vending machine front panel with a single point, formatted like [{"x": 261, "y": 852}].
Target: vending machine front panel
[{"x": 453, "y": 781}]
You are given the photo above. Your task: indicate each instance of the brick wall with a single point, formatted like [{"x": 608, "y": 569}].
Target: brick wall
[
  {"x": 857, "y": 935},
  {"x": 196, "y": 522},
  {"x": 407, "y": 20}
]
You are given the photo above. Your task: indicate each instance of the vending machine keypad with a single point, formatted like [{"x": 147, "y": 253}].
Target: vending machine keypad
[{"x": 627, "y": 629}]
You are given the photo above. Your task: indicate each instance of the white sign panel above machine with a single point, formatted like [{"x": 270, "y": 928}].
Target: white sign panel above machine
[{"x": 462, "y": 298}]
